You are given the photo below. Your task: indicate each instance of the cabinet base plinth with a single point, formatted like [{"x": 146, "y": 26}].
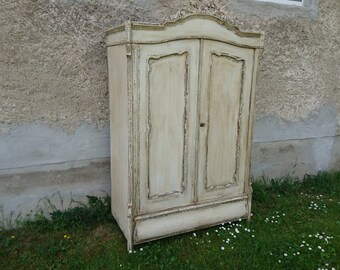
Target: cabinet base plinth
[{"x": 161, "y": 226}]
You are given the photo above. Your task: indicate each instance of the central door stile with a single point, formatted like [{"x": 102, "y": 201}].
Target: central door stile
[{"x": 198, "y": 121}]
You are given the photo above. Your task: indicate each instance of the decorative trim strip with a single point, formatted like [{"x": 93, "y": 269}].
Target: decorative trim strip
[
  {"x": 181, "y": 20},
  {"x": 199, "y": 205}
]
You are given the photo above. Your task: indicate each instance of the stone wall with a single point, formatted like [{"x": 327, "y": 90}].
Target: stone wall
[{"x": 54, "y": 116}]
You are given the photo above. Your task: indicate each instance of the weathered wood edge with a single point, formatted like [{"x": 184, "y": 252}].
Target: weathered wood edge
[
  {"x": 169, "y": 24},
  {"x": 194, "y": 206}
]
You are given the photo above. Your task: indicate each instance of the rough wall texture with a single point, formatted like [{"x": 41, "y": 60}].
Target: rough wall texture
[
  {"x": 53, "y": 61},
  {"x": 54, "y": 96}
]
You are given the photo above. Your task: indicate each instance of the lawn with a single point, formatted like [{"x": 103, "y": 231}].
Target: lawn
[{"x": 294, "y": 225}]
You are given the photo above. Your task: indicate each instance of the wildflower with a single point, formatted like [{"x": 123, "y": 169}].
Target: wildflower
[
  {"x": 141, "y": 249},
  {"x": 285, "y": 254},
  {"x": 194, "y": 234},
  {"x": 222, "y": 248},
  {"x": 12, "y": 236},
  {"x": 207, "y": 233},
  {"x": 298, "y": 253},
  {"x": 130, "y": 251}
]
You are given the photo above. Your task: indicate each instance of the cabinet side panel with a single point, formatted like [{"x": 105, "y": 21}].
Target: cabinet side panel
[{"x": 117, "y": 63}]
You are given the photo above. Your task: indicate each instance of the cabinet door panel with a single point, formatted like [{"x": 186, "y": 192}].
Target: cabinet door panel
[
  {"x": 226, "y": 84},
  {"x": 167, "y": 124},
  {"x": 223, "y": 107},
  {"x": 168, "y": 97}
]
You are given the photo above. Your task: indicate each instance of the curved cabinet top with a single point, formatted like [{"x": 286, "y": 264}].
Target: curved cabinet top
[{"x": 190, "y": 27}]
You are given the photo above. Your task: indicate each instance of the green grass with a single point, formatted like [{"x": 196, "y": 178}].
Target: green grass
[{"x": 295, "y": 225}]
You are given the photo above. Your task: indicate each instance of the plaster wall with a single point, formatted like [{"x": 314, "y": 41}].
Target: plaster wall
[{"x": 54, "y": 113}]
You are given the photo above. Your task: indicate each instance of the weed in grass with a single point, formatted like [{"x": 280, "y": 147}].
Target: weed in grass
[{"x": 275, "y": 218}]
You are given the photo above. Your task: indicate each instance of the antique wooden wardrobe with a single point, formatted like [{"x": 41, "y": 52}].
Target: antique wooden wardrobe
[{"x": 181, "y": 114}]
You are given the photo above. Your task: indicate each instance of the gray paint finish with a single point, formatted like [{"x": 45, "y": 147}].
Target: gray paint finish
[
  {"x": 284, "y": 147},
  {"x": 33, "y": 144},
  {"x": 318, "y": 124},
  {"x": 295, "y": 157},
  {"x": 26, "y": 193},
  {"x": 54, "y": 163}
]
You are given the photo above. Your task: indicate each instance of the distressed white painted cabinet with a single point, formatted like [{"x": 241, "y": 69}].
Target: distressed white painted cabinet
[{"x": 181, "y": 110}]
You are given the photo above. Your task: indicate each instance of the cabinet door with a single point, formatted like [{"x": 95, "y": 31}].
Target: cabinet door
[
  {"x": 226, "y": 75},
  {"x": 168, "y": 83}
]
